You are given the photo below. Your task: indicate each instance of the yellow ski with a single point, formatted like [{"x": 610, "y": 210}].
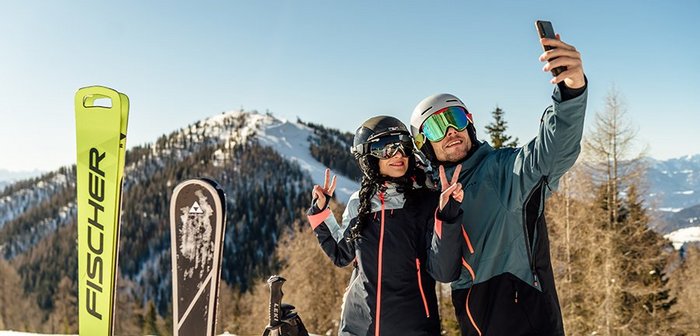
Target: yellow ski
[{"x": 101, "y": 147}]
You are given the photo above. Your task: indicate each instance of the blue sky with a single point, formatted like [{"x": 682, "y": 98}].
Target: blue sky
[{"x": 335, "y": 63}]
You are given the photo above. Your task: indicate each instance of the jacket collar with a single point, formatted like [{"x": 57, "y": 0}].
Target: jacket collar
[
  {"x": 471, "y": 161},
  {"x": 390, "y": 189}
]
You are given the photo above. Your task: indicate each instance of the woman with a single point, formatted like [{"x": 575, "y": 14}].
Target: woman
[{"x": 399, "y": 235}]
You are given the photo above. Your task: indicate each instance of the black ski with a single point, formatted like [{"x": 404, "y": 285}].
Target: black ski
[{"x": 197, "y": 226}]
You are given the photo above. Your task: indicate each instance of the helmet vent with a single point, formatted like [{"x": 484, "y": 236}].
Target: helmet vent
[
  {"x": 451, "y": 100},
  {"x": 426, "y": 110}
]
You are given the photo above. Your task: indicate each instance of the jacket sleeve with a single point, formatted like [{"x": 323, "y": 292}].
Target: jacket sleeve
[
  {"x": 552, "y": 152},
  {"x": 331, "y": 235},
  {"x": 445, "y": 246}
]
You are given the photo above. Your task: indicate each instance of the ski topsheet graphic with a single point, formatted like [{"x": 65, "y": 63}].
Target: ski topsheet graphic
[
  {"x": 101, "y": 147},
  {"x": 197, "y": 220}
]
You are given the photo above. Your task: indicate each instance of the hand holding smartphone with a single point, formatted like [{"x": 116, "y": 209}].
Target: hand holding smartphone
[{"x": 545, "y": 30}]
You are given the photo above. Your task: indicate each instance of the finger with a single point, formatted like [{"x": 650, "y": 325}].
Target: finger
[
  {"x": 443, "y": 178},
  {"x": 319, "y": 196},
  {"x": 455, "y": 174},
  {"x": 315, "y": 192},
  {"x": 334, "y": 181},
  {"x": 559, "y": 53},
  {"x": 459, "y": 197},
  {"x": 326, "y": 178},
  {"x": 562, "y": 61},
  {"x": 449, "y": 190},
  {"x": 554, "y": 43},
  {"x": 458, "y": 188},
  {"x": 557, "y": 36}
]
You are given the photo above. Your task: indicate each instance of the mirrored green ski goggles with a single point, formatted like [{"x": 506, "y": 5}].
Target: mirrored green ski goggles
[{"x": 435, "y": 127}]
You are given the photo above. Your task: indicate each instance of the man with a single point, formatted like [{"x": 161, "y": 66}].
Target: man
[{"x": 506, "y": 285}]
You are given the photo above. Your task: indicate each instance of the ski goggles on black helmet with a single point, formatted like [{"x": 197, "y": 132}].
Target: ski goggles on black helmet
[
  {"x": 435, "y": 127},
  {"x": 386, "y": 146}
]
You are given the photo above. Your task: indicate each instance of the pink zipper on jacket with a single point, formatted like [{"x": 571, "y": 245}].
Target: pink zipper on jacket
[
  {"x": 420, "y": 287},
  {"x": 379, "y": 269}
]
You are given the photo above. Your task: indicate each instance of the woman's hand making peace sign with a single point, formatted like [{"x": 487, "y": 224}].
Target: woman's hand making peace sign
[{"x": 321, "y": 194}]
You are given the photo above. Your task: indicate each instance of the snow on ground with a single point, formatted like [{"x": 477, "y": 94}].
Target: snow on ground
[
  {"x": 291, "y": 140},
  {"x": 17, "y": 333},
  {"x": 682, "y": 236}
]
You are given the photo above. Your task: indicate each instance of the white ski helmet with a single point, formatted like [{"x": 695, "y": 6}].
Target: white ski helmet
[{"x": 426, "y": 108}]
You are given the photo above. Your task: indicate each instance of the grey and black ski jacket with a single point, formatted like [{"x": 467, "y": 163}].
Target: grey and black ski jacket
[
  {"x": 507, "y": 272},
  {"x": 406, "y": 246}
]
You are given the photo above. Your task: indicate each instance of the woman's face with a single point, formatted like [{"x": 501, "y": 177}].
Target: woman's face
[{"x": 396, "y": 166}]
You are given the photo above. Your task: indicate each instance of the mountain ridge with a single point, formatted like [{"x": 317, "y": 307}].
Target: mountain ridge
[{"x": 264, "y": 163}]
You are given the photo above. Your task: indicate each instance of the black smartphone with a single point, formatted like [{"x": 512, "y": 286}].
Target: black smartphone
[{"x": 545, "y": 30}]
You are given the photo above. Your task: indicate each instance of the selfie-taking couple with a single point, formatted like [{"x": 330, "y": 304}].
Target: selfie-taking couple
[{"x": 480, "y": 225}]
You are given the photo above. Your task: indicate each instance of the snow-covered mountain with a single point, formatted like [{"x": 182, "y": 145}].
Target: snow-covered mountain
[
  {"x": 292, "y": 140},
  {"x": 674, "y": 193},
  {"x": 674, "y": 184},
  {"x": 266, "y": 165}
]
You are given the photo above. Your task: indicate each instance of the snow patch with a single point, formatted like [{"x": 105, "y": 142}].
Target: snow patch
[
  {"x": 682, "y": 236},
  {"x": 670, "y": 209},
  {"x": 17, "y": 333},
  {"x": 687, "y": 192}
]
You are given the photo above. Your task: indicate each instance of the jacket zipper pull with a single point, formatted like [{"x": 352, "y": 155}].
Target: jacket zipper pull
[
  {"x": 516, "y": 296},
  {"x": 537, "y": 281}
]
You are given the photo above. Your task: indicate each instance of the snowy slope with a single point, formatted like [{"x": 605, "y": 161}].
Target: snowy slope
[{"x": 289, "y": 139}]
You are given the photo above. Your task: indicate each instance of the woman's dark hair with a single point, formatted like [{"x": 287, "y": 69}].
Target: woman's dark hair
[{"x": 373, "y": 182}]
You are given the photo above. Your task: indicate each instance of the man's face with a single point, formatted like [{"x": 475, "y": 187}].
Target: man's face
[{"x": 454, "y": 147}]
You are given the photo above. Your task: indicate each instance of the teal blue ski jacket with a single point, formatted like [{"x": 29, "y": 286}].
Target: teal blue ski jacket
[{"x": 506, "y": 278}]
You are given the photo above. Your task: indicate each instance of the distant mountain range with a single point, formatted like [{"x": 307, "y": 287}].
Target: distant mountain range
[
  {"x": 7, "y": 177},
  {"x": 675, "y": 183},
  {"x": 674, "y": 191}
]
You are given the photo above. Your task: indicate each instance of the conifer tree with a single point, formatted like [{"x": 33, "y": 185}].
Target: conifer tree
[
  {"x": 636, "y": 296},
  {"x": 497, "y": 130}
]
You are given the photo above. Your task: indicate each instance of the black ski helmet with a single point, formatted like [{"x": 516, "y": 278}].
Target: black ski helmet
[{"x": 371, "y": 129}]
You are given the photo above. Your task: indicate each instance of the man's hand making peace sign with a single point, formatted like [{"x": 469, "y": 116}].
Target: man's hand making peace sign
[{"x": 451, "y": 188}]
